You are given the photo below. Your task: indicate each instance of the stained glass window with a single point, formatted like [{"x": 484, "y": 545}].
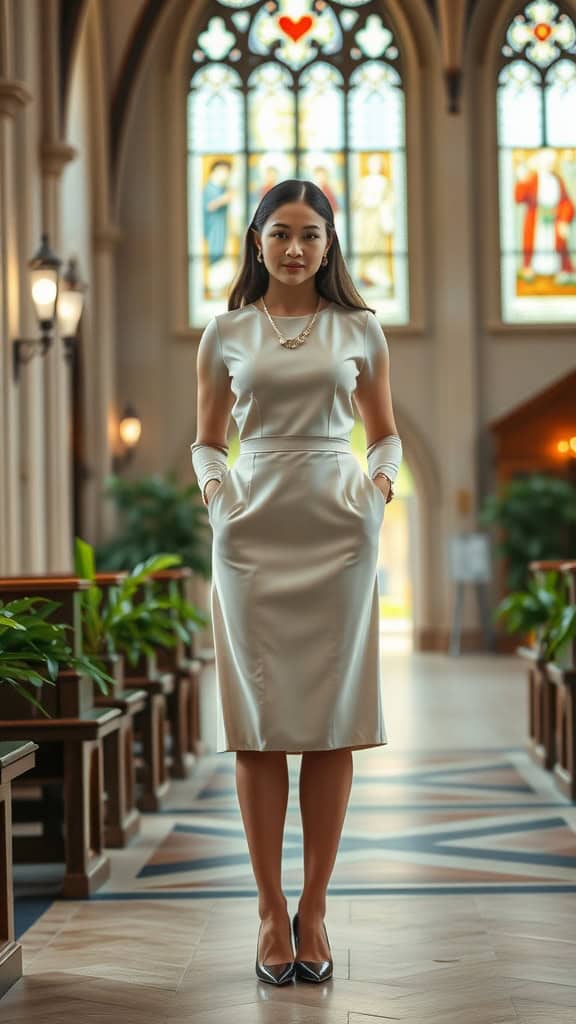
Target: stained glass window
[
  {"x": 297, "y": 89},
  {"x": 536, "y": 100}
]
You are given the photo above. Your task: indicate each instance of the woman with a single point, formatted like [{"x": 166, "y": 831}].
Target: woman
[{"x": 296, "y": 523}]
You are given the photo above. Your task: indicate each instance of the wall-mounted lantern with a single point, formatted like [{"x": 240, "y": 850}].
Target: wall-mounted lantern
[
  {"x": 52, "y": 298},
  {"x": 70, "y": 305},
  {"x": 130, "y": 430}
]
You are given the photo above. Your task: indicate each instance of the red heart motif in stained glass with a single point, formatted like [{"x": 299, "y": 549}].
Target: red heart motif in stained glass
[
  {"x": 542, "y": 31},
  {"x": 296, "y": 29}
]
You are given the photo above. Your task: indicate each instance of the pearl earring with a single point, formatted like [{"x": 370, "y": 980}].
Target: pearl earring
[
  {"x": 325, "y": 260},
  {"x": 259, "y": 256}
]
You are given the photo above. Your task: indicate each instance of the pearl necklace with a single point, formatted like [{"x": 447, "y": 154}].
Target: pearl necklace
[{"x": 300, "y": 338}]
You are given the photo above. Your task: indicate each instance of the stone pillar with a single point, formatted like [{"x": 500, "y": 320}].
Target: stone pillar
[
  {"x": 31, "y": 379},
  {"x": 54, "y": 154},
  {"x": 453, "y": 291},
  {"x": 14, "y": 95},
  {"x": 99, "y": 515}
]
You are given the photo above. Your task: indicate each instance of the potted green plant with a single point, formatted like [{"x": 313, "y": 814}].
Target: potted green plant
[
  {"x": 33, "y": 650},
  {"x": 188, "y": 616},
  {"x": 156, "y": 514},
  {"x": 543, "y": 609},
  {"x": 536, "y": 515},
  {"x": 133, "y": 621}
]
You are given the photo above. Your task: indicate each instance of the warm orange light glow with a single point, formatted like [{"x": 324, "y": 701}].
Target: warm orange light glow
[
  {"x": 567, "y": 446},
  {"x": 542, "y": 31},
  {"x": 130, "y": 430}
]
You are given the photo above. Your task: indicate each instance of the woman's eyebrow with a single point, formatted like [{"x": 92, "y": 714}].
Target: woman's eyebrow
[{"x": 277, "y": 224}]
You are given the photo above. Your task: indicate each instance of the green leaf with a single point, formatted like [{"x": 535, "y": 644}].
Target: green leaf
[
  {"x": 32, "y": 700},
  {"x": 5, "y": 620}
]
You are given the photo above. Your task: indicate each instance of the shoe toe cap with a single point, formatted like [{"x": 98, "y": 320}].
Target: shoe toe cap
[
  {"x": 276, "y": 973},
  {"x": 314, "y": 970}
]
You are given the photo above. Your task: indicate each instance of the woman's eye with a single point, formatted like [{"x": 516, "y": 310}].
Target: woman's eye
[{"x": 282, "y": 234}]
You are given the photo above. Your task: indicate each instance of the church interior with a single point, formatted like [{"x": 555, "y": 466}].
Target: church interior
[{"x": 137, "y": 139}]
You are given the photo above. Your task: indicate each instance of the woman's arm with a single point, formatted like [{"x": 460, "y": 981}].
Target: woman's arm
[
  {"x": 214, "y": 401},
  {"x": 373, "y": 397}
]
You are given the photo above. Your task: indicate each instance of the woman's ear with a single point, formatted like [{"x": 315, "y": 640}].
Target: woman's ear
[{"x": 256, "y": 239}]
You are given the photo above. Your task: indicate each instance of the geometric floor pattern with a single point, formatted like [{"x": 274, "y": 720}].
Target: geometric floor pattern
[
  {"x": 452, "y": 901},
  {"x": 464, "y": 822}
]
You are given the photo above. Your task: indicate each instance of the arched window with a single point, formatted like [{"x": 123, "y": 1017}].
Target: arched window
[
  {"x": 305, "y": 89},
  {"x": 537, "y": 165}
]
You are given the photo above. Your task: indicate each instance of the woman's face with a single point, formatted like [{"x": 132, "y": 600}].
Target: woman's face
[{"x": 293, "y": 241}]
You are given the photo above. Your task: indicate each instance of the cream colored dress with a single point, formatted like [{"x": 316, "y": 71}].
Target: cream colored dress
[{"x": 295, "y": 529}]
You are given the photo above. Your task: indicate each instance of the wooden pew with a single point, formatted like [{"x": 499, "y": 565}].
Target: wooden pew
[
  {"x": 541, "y": 691},
  {"x": 165, "y": 674},
  {"x": 196, "y": 660},
  {"x": 563, "y": 677},
  {"x": 158, "y": 686},
  {"x": 149, "y": 721},
  {"x": 69, "y": 762},
  {"x": 15, "y": 759},
  {"x": 186, "y": 670},
  {"x": 123, "y": 819}
]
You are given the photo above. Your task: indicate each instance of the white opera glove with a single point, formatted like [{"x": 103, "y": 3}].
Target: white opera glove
[
  {"x": 209, "y": 463},
  {"x": 384, "y": 456}
]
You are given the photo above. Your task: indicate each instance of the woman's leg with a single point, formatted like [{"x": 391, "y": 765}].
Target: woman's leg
[
  {"x": 262, "y": 785},
  {"x": 325, "y": 783}
]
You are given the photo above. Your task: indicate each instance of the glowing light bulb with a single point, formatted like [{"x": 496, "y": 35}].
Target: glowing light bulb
[
  {"x": 44, "y": 291},
  {"x": 130, "y": 430}
]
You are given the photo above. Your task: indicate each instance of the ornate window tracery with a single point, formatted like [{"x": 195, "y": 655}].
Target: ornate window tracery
[
  {"x": 297, "y": 88},
  {"x": 536, "y": 117}
]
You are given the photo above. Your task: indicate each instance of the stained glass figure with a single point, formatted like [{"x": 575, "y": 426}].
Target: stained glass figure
[
  {"x": 537, "y": 165},
  {"x": 297, "y": 88},
  {"x": 271, "y": 112},
  {"x": 321, "y": 107}
]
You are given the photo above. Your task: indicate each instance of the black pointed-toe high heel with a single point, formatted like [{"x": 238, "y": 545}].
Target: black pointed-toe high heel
[
  {"x": 312, "y": 970},
  {"x": 274, "y": 974}
]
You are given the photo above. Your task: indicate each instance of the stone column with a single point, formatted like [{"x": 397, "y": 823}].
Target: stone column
[
  {"x": 14, "y": 96},
  {"x": 99, "y": 515},
  {"x": 454, "y": 288},
  {"x": 54, "y": 155}
]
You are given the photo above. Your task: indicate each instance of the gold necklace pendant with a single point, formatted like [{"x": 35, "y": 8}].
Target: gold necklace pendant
[{"x": 300, "y": 338}]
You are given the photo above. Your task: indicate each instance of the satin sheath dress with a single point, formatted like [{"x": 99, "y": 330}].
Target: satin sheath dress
[{"x": 295, "y": 531}]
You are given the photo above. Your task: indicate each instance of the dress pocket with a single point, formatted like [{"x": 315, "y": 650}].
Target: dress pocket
[
  {"x": 216, "y": 495},
  {"x": 379, "y": 496}
]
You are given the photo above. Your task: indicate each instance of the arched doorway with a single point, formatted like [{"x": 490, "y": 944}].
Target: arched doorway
[{"x": 395, "y": 555}]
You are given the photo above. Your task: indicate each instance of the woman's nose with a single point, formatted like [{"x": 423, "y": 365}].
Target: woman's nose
[{"x": 294, "y": 248}]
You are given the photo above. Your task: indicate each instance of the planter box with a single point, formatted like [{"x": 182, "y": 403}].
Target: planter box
[
  {"x": 564, "y": 682},
  {"x": 15, "y": 759},
  {"x": 542, "y": 694}
]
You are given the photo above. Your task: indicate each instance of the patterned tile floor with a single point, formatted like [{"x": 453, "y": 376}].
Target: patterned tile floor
[
  {"x": 470, "y": 821},
  {"x": 452, "y": 898}
]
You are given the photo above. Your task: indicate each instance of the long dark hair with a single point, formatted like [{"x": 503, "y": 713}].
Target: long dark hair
[{"x": 333, "y": 282}]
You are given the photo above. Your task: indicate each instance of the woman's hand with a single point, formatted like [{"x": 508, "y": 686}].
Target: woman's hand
[
  {"x": 383, "y": 484},
  {"x": 211, "y": 486}
]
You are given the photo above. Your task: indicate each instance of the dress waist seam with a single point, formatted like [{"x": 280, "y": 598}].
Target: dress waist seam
[{"x": 294, "y": 442}]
